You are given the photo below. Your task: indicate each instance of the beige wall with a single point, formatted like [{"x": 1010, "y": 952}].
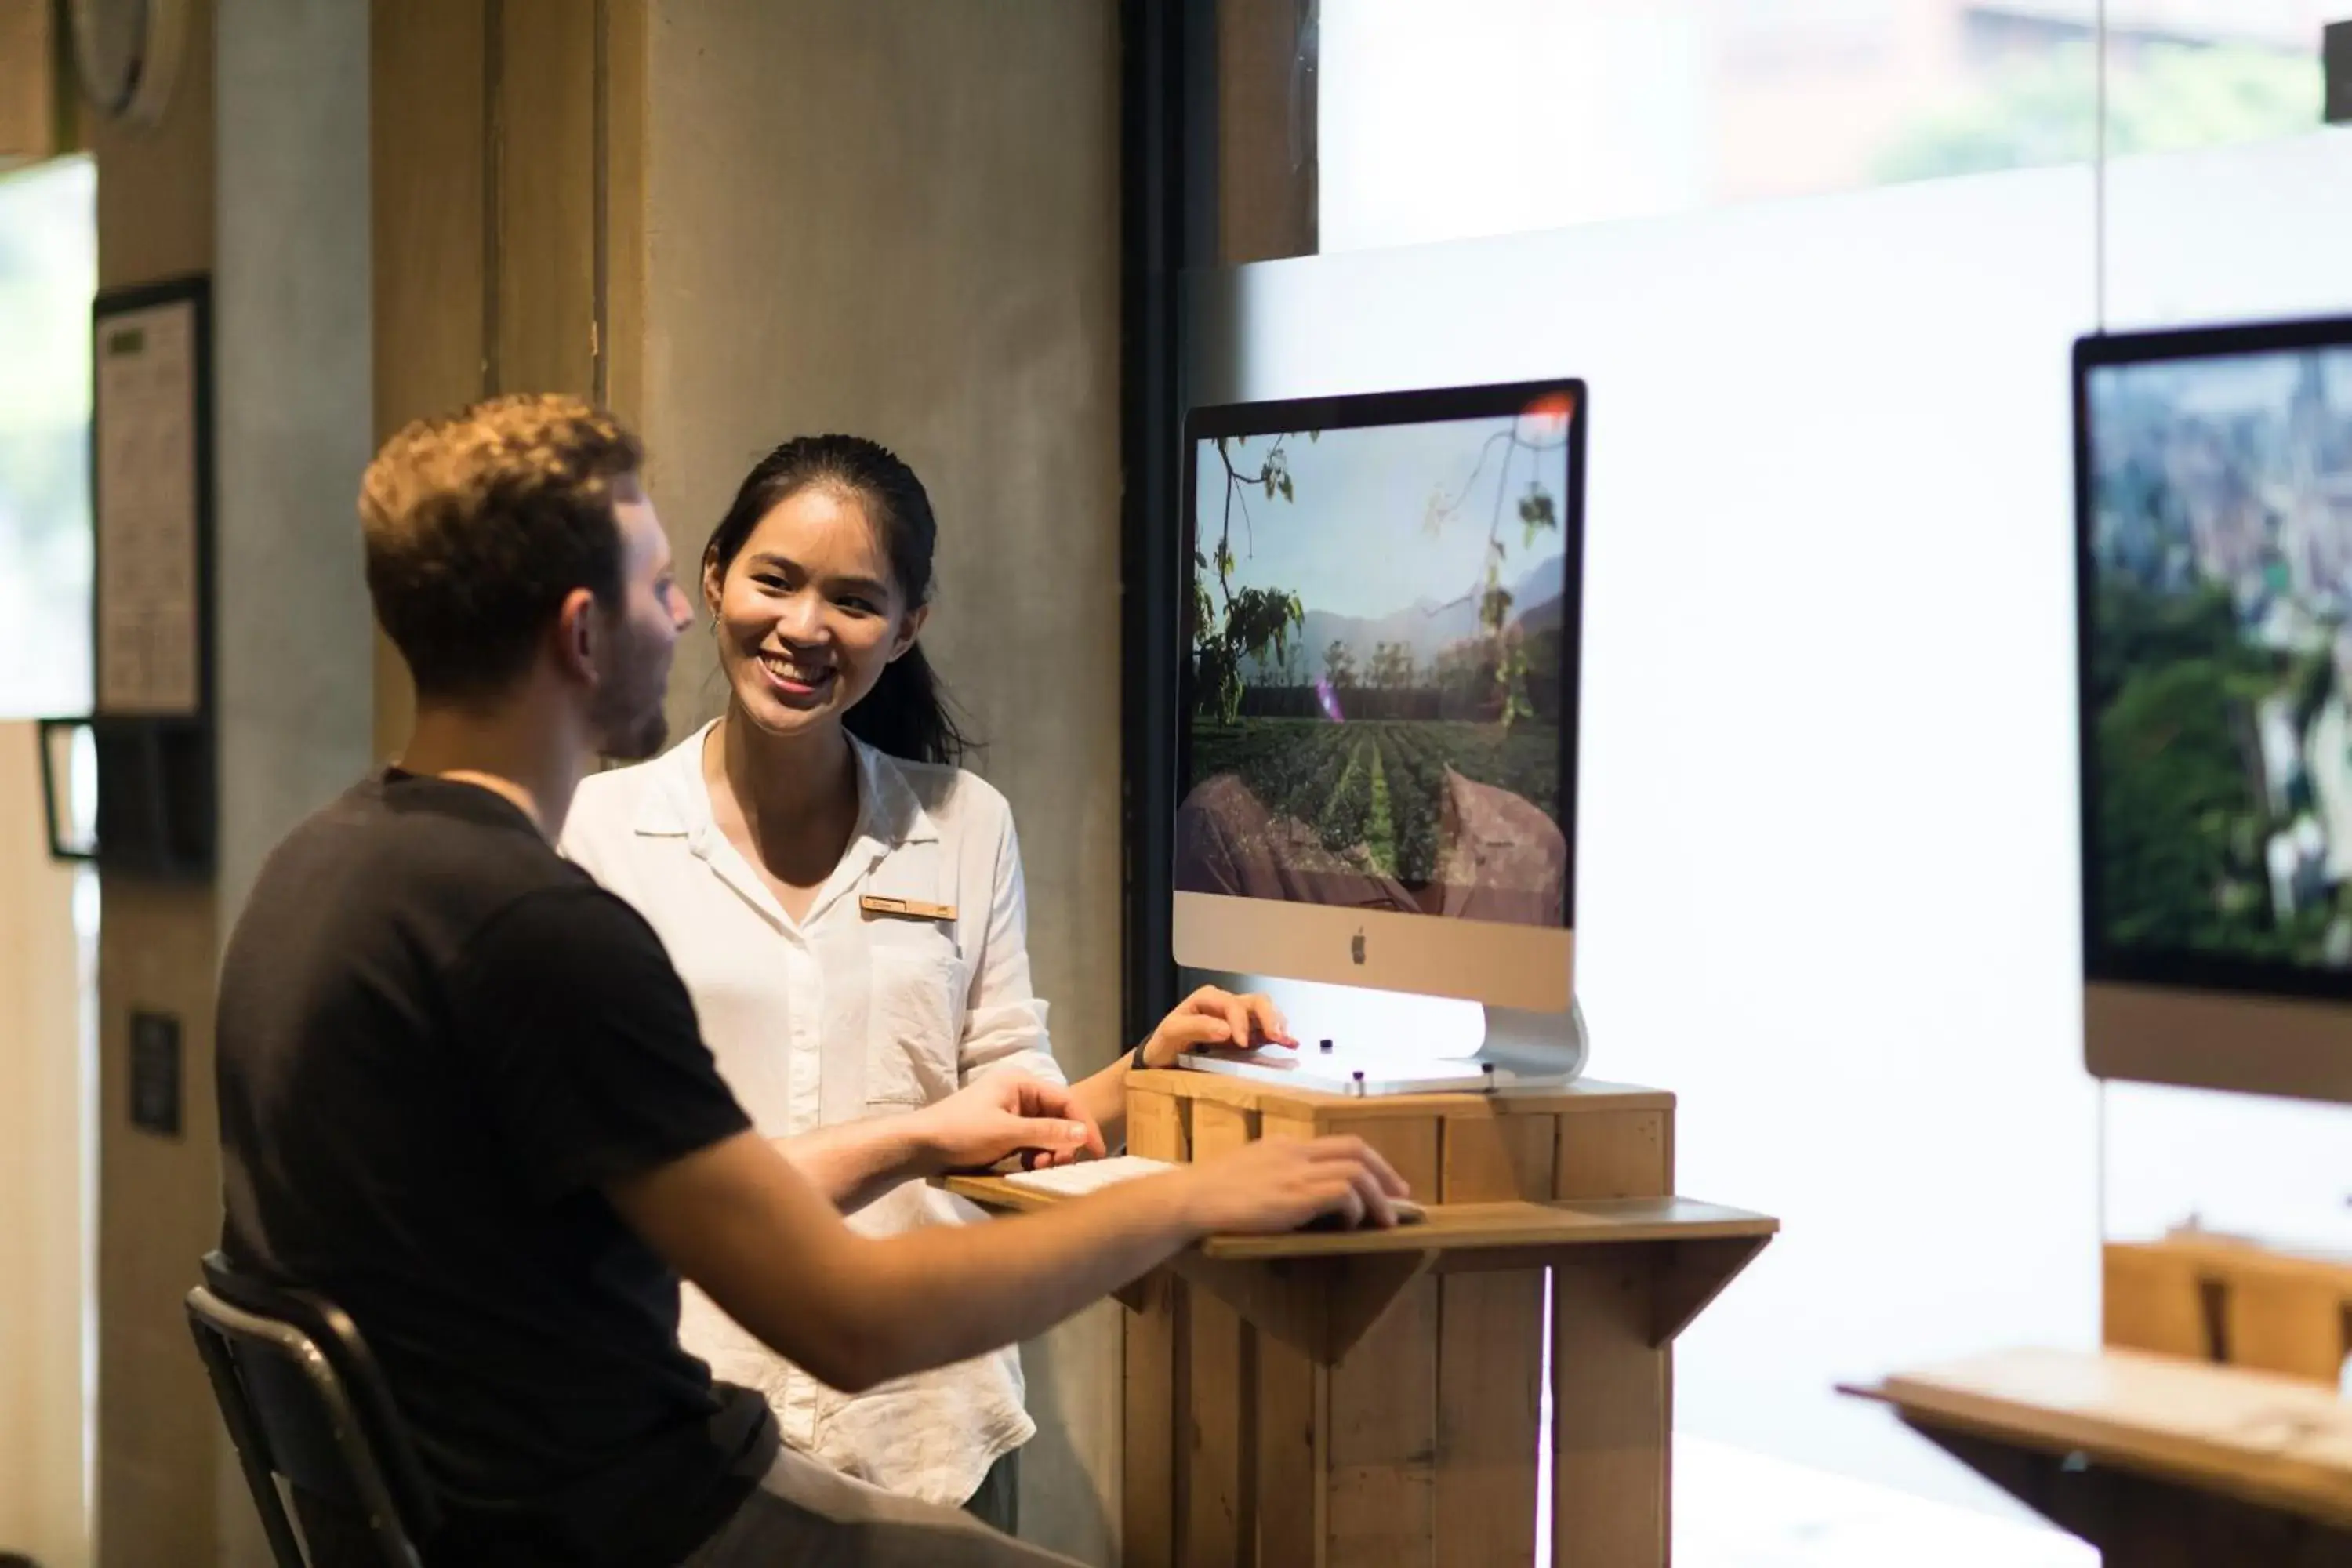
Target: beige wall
[
  {"x": 899, "y": 218},
  {"x": 41, "y": 1151}
]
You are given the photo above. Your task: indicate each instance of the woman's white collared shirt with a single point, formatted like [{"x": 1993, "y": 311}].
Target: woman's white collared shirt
[{"x": 844, "y": 1014}]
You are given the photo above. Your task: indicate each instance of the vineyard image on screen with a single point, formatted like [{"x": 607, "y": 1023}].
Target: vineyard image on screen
[
  {"x": 2219, "y": 678},
  {"x": 1375, "y": 637}
]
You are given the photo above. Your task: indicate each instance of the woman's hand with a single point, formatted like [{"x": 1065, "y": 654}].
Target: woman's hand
[
  {"x": 1003, "y": 1114},
  {"x": 1211, "y": 1019}
]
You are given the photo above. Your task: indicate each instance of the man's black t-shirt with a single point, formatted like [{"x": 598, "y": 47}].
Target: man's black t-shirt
[{"x": 436, "y": 1039}]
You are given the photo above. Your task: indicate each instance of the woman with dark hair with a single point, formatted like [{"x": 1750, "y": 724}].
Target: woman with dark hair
[{"x": 845, "y": 905}]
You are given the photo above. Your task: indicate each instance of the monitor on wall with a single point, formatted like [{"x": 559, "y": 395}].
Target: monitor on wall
[
  {"x": 1377, "y": 762},
  {"x": 2213, "y": 541}
]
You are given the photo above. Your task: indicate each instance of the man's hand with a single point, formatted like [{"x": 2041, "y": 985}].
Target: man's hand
[
  {"x": 1211, "y": 1019},
  {"x": 1002, "y": 1114},
  {"x": 1279, "y": 1184}
]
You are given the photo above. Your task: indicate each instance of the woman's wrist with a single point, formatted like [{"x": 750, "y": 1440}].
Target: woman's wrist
[{"x": 918, "y": 1150}]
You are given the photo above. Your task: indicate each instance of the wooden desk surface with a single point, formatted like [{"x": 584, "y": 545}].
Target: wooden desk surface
[
  {"x": 2279, "y": 1442},
  {"x": 1450, "y": 1226}
]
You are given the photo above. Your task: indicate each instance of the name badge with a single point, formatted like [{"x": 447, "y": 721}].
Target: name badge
[{"x": 906, "y": 908}]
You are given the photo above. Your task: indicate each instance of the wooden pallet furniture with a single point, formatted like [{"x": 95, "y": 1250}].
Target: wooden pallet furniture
[{"x": 1351, "y": 1399}]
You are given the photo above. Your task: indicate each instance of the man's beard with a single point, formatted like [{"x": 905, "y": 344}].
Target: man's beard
[{"x": 630, "y": 723}]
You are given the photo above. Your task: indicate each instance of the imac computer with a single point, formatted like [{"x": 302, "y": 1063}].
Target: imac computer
[
  {"x": 2214, "y": 578},
  {"x": 1377, "y": 758}
]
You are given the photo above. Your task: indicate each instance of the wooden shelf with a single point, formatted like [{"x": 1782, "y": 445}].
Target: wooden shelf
[
  {"x": 1488, "y": 1226},
  {"x": 1322, "y": 1291}
]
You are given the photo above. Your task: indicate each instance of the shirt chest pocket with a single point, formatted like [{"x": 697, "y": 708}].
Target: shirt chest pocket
[{"x": 915, "y": 1019}]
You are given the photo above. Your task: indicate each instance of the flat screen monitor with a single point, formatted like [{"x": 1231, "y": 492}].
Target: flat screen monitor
[
  {"x": 2214, "y": 580},
  {"x": 1378, "y": 760}
]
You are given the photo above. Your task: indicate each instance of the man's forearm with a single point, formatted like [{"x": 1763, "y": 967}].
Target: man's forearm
[
  {"x": 855, "y": 1162},
  {"x": 1010, "y": 1279},
  {"x": 746, "y": 1226}
]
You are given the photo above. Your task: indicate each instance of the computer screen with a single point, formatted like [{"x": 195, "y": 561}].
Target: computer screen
[
  {"x": 2217, "y": 605},
  {"x": 1381, "y": 621}
]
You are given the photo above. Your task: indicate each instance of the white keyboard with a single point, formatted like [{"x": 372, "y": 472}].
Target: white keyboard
[
  {"x": 1094, "y": 1175},
  {"x": 1089, "y": 1175}
]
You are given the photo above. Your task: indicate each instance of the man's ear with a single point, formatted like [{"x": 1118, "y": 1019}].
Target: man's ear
[
  {"x": 578, "y": 636},
  {"x": 908, "y": 630}
]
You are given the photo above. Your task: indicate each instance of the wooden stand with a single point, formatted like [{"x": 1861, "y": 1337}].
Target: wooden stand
[
  {"x": 1319, "y": 1400},
  {"x": 2208, "y": 1432},
  {"x": 2159, "y": 1462}
]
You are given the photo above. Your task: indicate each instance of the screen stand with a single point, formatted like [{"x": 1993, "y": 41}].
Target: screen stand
[
  {"x": 1354, "y": 1040},
  {"x": 1549, "y": 1048}
]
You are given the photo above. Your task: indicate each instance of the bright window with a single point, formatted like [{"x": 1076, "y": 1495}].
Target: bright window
[
  {"x": 1480, "y": 117},
  {"x": 48, "y": 273}
]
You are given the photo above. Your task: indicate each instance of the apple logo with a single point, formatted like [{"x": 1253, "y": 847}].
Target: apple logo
[{"x": 1356, "y": 949}]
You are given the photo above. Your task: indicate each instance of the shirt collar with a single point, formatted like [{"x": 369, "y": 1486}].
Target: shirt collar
[
  {"x": 888, "y": 810},
  {"x": 675, "y": 805},
  {"x": 674, "y": 802}
]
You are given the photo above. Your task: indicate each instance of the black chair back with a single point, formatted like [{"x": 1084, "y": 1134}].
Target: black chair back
[{"x": 305, "y": 1404}]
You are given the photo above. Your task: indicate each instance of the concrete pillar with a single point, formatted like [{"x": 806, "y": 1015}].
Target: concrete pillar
[{"x": 294, "y": 421}]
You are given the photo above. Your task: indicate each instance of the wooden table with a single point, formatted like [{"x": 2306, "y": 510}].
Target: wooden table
[
  {"x": 2158, "y": 1461},
  {"x": 1324, "y": 1399}
]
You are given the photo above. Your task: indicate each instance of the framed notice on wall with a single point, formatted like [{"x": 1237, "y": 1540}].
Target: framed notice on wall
[
  {"x": 150, "y": 731},
  {"x": 151, "y": 495}
]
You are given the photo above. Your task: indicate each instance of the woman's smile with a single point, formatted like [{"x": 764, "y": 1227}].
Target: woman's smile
[{"x": 796, "y": 678}]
